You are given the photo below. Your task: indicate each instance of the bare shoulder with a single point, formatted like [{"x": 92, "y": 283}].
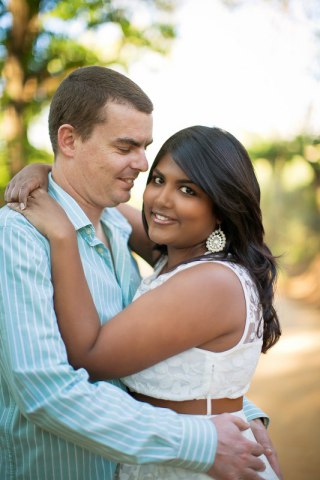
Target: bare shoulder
[
  {"x": 204, "y": 277},
  {"x": 204, "y": 294}
]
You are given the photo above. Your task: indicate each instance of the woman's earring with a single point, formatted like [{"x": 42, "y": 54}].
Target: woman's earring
[{"x": 216, "y": 241}]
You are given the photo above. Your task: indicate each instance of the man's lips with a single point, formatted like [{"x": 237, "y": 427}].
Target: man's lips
[{"x": 129, "y": 181}]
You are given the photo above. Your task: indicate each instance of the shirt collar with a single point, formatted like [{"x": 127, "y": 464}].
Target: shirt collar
[
  {"x": 110, "y": 216},
  {"x": 75, "y": 213}
]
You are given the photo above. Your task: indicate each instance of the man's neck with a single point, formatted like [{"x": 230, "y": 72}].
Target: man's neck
[{"x": 93, "y": 212}]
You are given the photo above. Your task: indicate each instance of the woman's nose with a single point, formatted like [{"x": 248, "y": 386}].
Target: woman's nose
[{"x": 164, "y": 197}]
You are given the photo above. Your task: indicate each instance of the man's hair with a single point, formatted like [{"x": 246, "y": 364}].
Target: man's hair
[{"x": 80, "y": 98}]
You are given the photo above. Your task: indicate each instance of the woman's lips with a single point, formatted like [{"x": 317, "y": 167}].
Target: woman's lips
[{"x": 161, "y": 219}]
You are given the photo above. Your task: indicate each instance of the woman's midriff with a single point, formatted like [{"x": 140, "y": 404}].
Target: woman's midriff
[{"x": 194, "y": 407}]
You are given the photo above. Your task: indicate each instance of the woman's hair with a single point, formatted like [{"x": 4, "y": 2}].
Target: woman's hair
[{"x": 218, "y": 163}]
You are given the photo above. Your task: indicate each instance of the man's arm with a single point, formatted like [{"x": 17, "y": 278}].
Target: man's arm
[
  {"x": 252, "y": 412},
  {"x": 45, "y": 385},
  {"x": 35, "y": 176}
]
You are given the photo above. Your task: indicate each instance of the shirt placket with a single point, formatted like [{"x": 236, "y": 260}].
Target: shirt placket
[{"x": 100, "y": 248}]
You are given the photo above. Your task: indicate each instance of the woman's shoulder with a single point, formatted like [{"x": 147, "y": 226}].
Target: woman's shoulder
[
  {"x": 204, "y": 276},
  {"x": 211, "y": 268}
]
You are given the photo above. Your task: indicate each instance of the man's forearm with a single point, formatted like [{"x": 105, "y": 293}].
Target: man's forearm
[
  {"x": 98, "y": 417},
  {"x": 253, "y": 412}
]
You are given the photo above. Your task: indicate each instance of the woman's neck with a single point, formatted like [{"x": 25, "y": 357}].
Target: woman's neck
[{"x": 178, "y": 256}]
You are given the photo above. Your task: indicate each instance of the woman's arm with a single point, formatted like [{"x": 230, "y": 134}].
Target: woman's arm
[
  {"x": 139, "y": 240},
  {"x": 35, "y": 176},
  {"x": 161, "y": 323},
  {"x": 178, "y": 315},
  {"x": 24, "y": 182}
]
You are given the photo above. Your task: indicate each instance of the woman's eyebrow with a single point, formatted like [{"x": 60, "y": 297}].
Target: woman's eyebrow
[{"x": 180, "y": 180}]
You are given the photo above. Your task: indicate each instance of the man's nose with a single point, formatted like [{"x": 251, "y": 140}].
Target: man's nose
[{"x": 140, "y": 161}]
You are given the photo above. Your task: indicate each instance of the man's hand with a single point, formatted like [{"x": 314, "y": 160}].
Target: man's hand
[
  {"x": 236, "y": 457},
  {"x": 262, "y": 437}
]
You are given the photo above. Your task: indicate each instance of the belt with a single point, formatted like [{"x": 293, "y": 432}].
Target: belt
[{"x": 195, "y": 407}]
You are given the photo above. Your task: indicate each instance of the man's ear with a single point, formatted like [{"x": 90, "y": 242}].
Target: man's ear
[{"x": 66, "y": 139}]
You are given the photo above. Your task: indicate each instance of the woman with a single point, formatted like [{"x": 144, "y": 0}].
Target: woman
[{"x": 192, "y": 338}]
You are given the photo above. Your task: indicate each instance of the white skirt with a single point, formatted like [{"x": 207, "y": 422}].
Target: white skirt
[{"x": 163, "y": 472}]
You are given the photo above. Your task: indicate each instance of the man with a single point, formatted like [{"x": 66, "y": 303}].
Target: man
[{"x": 54, "y": 423}]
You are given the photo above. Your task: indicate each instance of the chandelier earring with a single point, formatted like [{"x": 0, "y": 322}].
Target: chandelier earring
[{"x": 216, "y": 241}]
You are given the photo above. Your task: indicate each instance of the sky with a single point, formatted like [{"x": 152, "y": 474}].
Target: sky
[
  {"x": 253, "y": 70},
  {"x": 250, "y": 70}
]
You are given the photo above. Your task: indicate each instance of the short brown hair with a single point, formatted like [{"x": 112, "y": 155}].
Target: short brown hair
[{"x": 81, "y": 96}]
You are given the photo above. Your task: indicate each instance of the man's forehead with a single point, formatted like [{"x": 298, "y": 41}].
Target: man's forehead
[
  {"x": 127, "y": 124},
  {"x": 114, "y": 107}
]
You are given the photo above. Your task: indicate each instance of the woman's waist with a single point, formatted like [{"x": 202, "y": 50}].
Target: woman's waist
[
  {"x": 190, "y": 387},
  {"x": 195, "y": 407}
]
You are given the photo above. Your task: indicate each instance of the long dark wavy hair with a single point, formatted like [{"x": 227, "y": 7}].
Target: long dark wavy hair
[{"x": 218, "y": 163}]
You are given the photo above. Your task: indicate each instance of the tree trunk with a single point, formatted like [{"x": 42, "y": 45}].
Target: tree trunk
[{"x": 15, "y": 129}]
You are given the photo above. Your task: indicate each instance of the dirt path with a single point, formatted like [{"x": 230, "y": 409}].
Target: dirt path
[{"x": 287, "y": 386}]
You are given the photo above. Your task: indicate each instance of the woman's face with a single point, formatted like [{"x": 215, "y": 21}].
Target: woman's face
[{"x": 179, "y": 213}]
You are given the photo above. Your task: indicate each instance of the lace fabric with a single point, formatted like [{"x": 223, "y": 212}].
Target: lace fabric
[{"x": 198, "y": 373}]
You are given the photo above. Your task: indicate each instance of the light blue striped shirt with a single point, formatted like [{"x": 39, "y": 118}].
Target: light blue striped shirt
[{"x": 54, "y": 423}]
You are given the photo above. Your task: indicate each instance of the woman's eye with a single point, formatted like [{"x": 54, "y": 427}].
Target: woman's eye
[
  {"x": 187, "y": 190},
  {"x": 157, "y": 180}
]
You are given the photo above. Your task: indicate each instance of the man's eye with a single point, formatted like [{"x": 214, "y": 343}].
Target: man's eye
[
  {"x": 124, "y": 149},
  {"x": 187, "y": 190}
]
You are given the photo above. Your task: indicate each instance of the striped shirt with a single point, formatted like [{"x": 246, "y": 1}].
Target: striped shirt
[{"x": 54, "y": 423}]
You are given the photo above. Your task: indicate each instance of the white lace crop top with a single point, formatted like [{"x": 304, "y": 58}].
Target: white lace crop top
[{"x": 198, "y": 373}]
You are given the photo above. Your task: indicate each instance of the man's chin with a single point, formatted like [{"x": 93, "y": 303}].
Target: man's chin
[
  {"x": 126, "y": 197},
  {"x": 123, "y": 198}
]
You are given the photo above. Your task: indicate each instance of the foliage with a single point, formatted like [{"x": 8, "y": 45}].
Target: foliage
[
  {"x": 289, "y": 175},
  {"x": 41, "y": 41},
  {"x": 290, "y": 169}
]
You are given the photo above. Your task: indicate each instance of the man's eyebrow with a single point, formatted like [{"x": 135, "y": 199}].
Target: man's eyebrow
[{"x": 131, "y": 141}]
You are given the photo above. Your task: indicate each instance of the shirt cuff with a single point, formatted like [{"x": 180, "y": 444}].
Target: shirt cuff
[
  {"x": 198, "y": 445},
  {"x": 252, "y": 413}
]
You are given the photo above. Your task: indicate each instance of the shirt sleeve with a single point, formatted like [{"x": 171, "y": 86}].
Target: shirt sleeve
[
  {"x": 97, "y": 416},
  {"x": 252, "y": 412}
]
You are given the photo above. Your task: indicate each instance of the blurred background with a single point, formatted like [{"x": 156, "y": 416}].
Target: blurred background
[{"x": 251, "y": 67}]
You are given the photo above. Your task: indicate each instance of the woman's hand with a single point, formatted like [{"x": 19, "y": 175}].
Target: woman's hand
[
  {"x": 262, "y": 437},
  {"x": 46, "y": 215},
  {"x": 26, "y": 181}
]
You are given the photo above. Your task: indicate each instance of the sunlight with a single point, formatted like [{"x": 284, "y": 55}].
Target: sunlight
[{"x": 287, "y": 355}]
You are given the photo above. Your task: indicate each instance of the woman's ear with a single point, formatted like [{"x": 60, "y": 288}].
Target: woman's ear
[{"x": 66, "y": 139}]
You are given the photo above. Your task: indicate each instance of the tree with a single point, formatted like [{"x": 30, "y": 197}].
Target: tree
[
  {"x": 42, "y": 41},
  {"x": 291, "y": 187},
  {"x": 291, "y": 198}
]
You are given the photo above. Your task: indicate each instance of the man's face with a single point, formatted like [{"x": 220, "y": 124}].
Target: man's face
[{"x": 104, "y": 167}]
